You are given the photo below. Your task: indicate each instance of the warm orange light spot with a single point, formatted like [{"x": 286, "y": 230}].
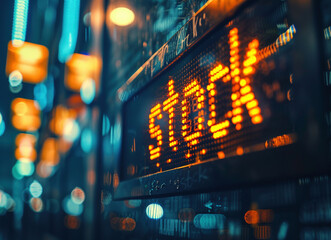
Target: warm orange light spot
[
  {"x": 245, "y": 90},
  {"x": 234, "y": 96},
  {"x": 203, "y": 151},
  {"x": 49, "y": 152},
  {"x": 254, "y": 44},
  {"x": 200, "y": 126},
  {"x": 252, "y": 104},
  {"x": 280, "y": 141},
  {"x": 213, "y": 114},
  {"x": 30, "y": 59},
  {"x": 188, "y": 155},
  {"x": 248, "y": 70},
  {"x": 254, "y": 111},
  {"x": 257, "y": 119},
  {"x": 150, "y": 147},
  {"x": 252, "y": 217},
  {"x": 79, "y": 68},
  {"x": 221, "y": 155},
  {"x": 240, "y": 150},
  {"x": 60, "y": 115},
  {"x": 26, "y": 114},
  {"x": 238, "y": 127},
  {"x": 169, "y": 160}
]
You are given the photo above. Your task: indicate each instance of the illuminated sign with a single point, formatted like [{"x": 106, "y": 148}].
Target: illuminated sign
[{"x": 228, "y": 96}]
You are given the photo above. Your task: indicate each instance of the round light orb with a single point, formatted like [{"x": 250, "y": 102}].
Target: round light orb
[
  {"x": 15, "y": 78},
  {"x": 122, "y": 16}
]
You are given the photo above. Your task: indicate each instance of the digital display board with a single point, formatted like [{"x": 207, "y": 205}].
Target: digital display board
[{"x": 227, "y": 96}]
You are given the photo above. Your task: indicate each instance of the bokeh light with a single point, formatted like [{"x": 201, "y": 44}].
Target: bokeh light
[
  {"x": 2, "y": 126},
  {"x": 24, "y": 168},
  {"x": 77, "y": 195},
  {"x": 154, "y": 211},
  {"x": 35, "y": 189},
  {"x": 87, "y": 91},
  {"x": 36, "y": 204},
  {"x": 40, "y": 95},
  {"x": 15, "y": 78},
  {"x": 122, "y": 16},
  {"x": 71, "y": 130},
  {"x": 72, "y": 208},
  {"x": 86, "y": 141}
]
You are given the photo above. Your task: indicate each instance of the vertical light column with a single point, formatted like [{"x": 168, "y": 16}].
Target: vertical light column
[
  {"x": 70, "y": 26},
  {"x": 19, "y": 22}
]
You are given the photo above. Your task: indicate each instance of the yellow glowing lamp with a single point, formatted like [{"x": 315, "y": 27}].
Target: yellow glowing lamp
[
  {"x": 25, "y": 147},
  {"x": 79, "y": 68},
  {"x": 30, "y": 59},
  {"x": 49, "y": 152},
  {"x": 60, "y": 115},
  {"x": 25, "y": 114}
]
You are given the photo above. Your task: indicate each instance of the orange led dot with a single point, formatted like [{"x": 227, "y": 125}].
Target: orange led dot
[
  {"x": 213, "y": 114},
  {"x": 212, "y": 92},
  {"x": 158, "y": 165},
  {"x": 203, "y": 152},
  {"x": 234, "y": 96},
  {"x": 202, "y": 91},
  {"x": 240, "y": 151},
  {"x": 229, "y": 114},
  {"x": 238, "y": 127},
  {"x": 200, "y": 120},
  {"x": 252, "y": 104},
  {"x": 199, "y": 106},
  {"x": 234, "y": 44},
  {"x": 257, "y": 119},
  {"x": 169, "y": 161},
  {"x": 252, "y": 217},
  {"x": 248, "y": 70},
  {"x": 188, "y": 155},
  {"x": 200, "y": 126},
  {"x": 242, "y": 82},
  {"x": 209, "y": 123},
  {"x": 159, "y": 143},
  {"x": 150, "y": 147},
  {"x": 175, "y": 148},
  {"x": 170, "y": 121},
  {"x": 221, "y": 155},
  {"x": 234, "y": 38},
  {"x": 233, "y": 31},
  {"x": 251, "y": 53},
  {"x": 254, "y": 44},
  {"x": 159, "y": 116},
  {"x": 170, "y": 127},
  {"x": 254, "y": 111}
]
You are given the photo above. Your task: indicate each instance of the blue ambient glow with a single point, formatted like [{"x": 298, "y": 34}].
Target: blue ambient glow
[
  {"x": 154, "y": 211},
  {"x": 209, "y": 221},
  {"x": 2, "y": 126},
  {"x": 15, "y": 78},
  {"x": 24, "y": 168},
  {"x": 87, "y": 91},
  {"x": 70, "y": 26},
  {"x": 71, "y": 208},
  {"x": 35, "y": 189},
  {"x": 40, "y": 95},
  {"x": 20, "y": 21},
  {"x": 86, "y": 141},
  {"x": 105, "y": 125}
]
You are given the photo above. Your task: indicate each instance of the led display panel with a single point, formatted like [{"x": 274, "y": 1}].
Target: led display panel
[{"x": 229, "y": 95}]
